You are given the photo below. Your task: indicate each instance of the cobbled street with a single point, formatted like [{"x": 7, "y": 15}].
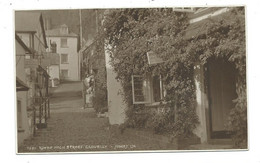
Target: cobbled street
[{"x": 72, "y": 128}]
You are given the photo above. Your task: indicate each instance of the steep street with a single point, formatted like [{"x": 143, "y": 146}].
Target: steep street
[{"x": 72, "y": 128}]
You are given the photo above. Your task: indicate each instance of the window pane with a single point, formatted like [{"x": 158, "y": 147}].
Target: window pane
[
  {"x": 63, "y": 42},
  {"x": 64, "y": 73},
  {"x": 156, "y": 89},
  {"x": 64, "y": 58},
  {"x": 140, "y": 89}
]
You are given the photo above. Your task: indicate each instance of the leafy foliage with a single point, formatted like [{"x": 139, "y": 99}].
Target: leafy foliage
[
  {"x": 132, "y": 32},
  {"x": 97, "y": 62},
  {"x": 225, "y": 38}
]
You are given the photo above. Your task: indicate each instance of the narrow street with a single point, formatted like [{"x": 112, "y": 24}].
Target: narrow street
[{"x": 72, "y": 128}]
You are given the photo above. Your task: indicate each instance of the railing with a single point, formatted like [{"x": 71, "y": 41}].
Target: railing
[{"x": 41, "y": 113}]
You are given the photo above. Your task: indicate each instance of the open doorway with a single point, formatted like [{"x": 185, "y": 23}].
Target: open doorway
[{"x": 222, "y": 77}]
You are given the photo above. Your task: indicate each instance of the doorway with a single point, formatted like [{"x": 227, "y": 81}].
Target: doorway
[{"x": 221, "y": 91}]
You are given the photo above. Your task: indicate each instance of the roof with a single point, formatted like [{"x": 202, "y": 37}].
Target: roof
[
  {"x": 19, "y": 40},
  {"x": 200, "y": 28},
  {"x": 196, "y": 29},
  {"x": 28, "y": 21},
  {"x": 56, "y": 32},
  {"x": 20, "y": 85}
]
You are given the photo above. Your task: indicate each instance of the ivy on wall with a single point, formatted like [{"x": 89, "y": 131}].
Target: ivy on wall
[
  {"x": 133, "y": 32},
  {"x": 225, "y": 38}
]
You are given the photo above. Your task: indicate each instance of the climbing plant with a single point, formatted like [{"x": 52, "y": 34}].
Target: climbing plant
[
  {"x": 130, "y": 33},
  {"x": 225, "y": 38}
]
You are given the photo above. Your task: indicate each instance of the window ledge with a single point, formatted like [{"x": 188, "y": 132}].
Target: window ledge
[
  {"x": 156, "y": 104},
  {"x": 65, "y": 63}
]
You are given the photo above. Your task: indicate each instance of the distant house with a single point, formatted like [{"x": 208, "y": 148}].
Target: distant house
[{"x": 65, "y": 43}]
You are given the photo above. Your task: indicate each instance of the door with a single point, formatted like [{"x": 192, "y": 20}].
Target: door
[{"x": 222, "y": 92}]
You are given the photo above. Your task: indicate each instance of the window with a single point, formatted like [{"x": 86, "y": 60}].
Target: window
[
  {"x": 63, "y": 43},
  {"x": 64, "y": 73},
  {"x": 64, "y": 58},
  {"x": 148, "y": 89},
  {"x": 140, "y": 89},
  {"x": 19, "y": 114}
]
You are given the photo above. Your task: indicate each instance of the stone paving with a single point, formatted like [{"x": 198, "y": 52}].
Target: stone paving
[{"x": 74, "y": 129}]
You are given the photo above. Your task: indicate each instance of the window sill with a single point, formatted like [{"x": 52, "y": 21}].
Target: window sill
[
  {"x": 64, "y": 47},
  {"x": 156, "y": 104},
  {"x": 65, "y": 63}
]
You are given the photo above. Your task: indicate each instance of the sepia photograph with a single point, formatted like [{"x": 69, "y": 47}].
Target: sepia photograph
[{"x": 162, "y": 79}]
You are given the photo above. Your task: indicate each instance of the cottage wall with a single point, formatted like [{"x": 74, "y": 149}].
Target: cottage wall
[
  {"x": 54, "y": 71},
  {"x": 24, "y": 130},
  {"x": 116, "y": 105},
  {"x": 202, "y": 103}
]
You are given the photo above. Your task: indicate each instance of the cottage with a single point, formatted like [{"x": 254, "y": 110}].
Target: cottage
[
  {"x": 65, "y": 43},
  {"x": 32, "y": 78},
  {"x": 23, "y": 123},
  {"x": 217, "y": 79}
]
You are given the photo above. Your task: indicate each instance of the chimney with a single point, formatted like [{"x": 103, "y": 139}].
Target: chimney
[{"x": 64, "y": 29}]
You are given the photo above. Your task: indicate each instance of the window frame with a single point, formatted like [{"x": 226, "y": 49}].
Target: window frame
[
  {"x": 161, "y": 88},
  {"x": 64, "y": 77},
  {"x": 150, "y": 88},
  {"x": 63, "y": 54},
  {"x": 133, "y": 90},
  {"x": 62, "y": 45}
]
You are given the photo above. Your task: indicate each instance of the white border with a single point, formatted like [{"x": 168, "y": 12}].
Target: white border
[{"x": 7, "y": 116}]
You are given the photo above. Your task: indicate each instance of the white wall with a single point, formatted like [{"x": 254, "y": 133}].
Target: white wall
[
  {"x": 54, "y": 71},
  {"x": 22, "y": 95},
  {"x": 202, "y": 104},
  {"x": 116, "y": 105},
  {"x": 73, "y": 59}
]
